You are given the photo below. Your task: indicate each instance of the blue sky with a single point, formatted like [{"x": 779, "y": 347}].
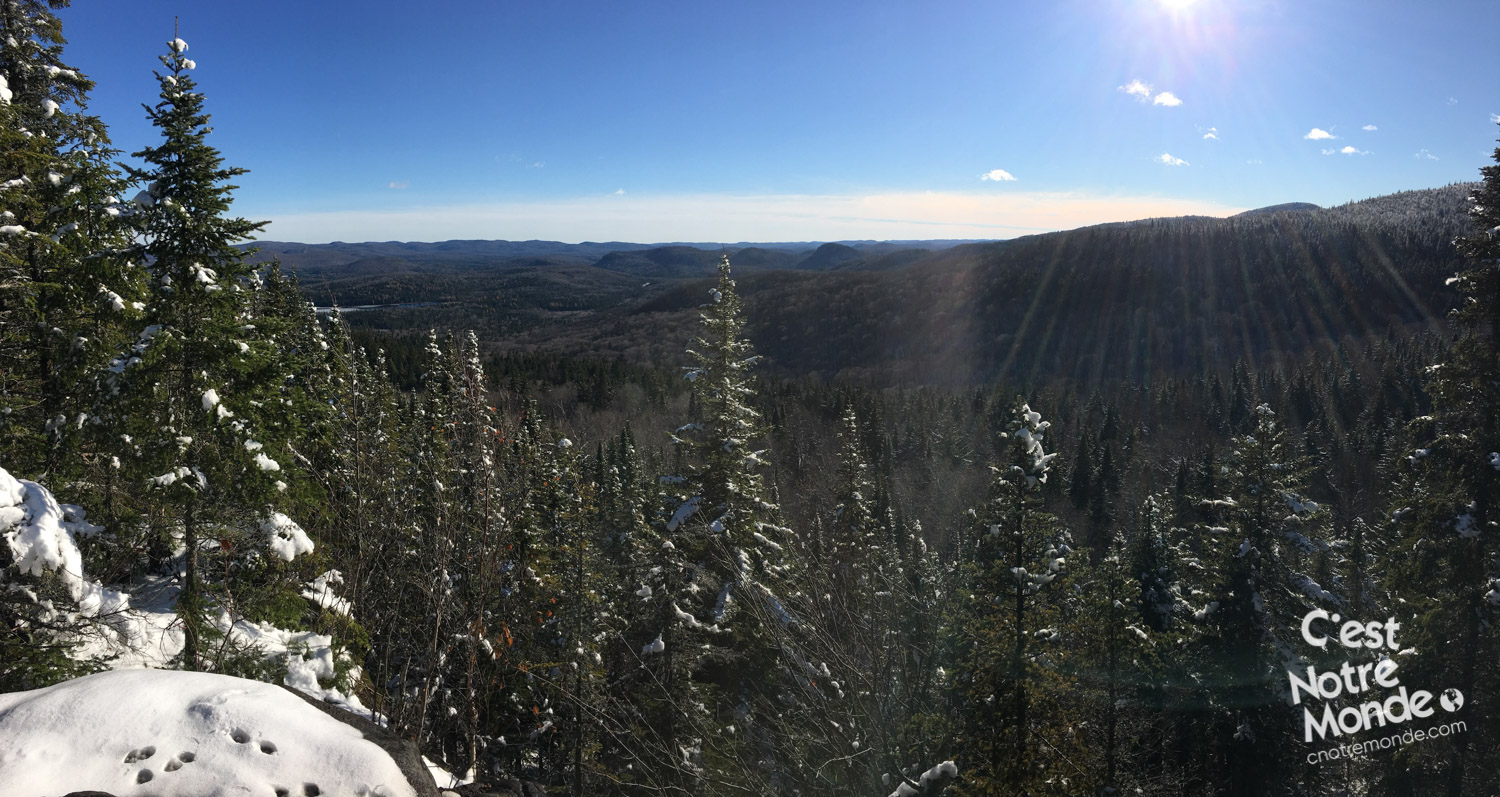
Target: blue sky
[{"x": 708, "y": 121}]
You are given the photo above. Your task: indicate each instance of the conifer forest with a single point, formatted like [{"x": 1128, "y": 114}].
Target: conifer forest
[{"x": 959, "y": 524}]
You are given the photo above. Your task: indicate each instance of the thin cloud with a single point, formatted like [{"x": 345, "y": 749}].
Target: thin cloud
[
  {"x": 1370, "y": 128},
  {"x": 1452, "y": 100},
  {"x": 1137, "y": 89},
  {"x": 1169, "y": 160},
  {"x": 1425, "y": 155},
  {"x": 1166, "y": 98},
  {"x": 1211, "y": 133},
  {"x": 998, "y": 175},
  {"x": 1347, "y": 150},
  {"x": 619, "y": 192},
  {"x": 1495, "y": 117},
  {"x": 537, "y": 164},
  {"x": 398, "y": 184},
  {"x": 1319, "y": 134}
]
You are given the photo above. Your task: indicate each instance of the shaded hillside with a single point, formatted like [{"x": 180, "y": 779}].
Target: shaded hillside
[
  {"x": 1132, "y": 300},
  {"x": 663, "y": 262}
]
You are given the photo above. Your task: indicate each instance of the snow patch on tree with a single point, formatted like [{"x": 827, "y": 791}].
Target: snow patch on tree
[{"x": 286, "y": 538}]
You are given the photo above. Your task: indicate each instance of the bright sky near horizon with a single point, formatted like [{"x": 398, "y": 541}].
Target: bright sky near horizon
[{"x": 790, "y": 121}]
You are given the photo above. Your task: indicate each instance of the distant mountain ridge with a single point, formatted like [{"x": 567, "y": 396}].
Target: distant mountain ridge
[
  {"x": 1162, "y": 297},
  {"x": 340, "y": 261}
]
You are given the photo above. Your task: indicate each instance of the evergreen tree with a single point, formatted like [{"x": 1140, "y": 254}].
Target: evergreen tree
[
  {"x": 1270, "y": 539},
  {"x": 198, "y": 387},
  {"x": 722, "y": 605},
  {"x": 68, "y": 292},
  {"x": 67, "y": 298},
  {"x": 1447, "y": 510},
  {"x": 1008, "y": 680}
]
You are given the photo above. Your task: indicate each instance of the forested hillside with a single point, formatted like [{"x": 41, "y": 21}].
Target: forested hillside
[
  {"x": 1138, "y": 301},
  {"x": 1053, "y": 516}
]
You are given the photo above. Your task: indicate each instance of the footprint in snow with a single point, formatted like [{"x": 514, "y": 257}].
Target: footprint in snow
[
  {"x": 184, "y": 757},
  {"x": 140, "y": 754}
]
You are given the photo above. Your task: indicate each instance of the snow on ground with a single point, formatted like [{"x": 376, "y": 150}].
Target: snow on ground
[
  {"x": 141, "y": 628},
  {"x": 183, "y": 733},
  {"x": 139, "y": 631}
]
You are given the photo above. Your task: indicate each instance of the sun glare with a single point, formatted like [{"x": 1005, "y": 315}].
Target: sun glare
[{"x": 1176, "y": 5}]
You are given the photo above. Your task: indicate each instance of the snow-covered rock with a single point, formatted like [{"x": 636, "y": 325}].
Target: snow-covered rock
[{"x": 185, "y": 733}]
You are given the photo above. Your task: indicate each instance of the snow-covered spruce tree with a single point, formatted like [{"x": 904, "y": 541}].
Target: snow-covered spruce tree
[
  {"x": 1167, "y": 688},
  {"x": 571, "y": 666},
  {"x": 66, "y": 297},
  {"x": 1109, "y": 657},
  {"x": 362, "y": 518},
  {"x": 1270, "y": 538},
  {"x": 195, "y": 386},
  {"x": 637, "y": 566},
  {"x": 723, "y": 619},
  {"x": 1446, "y": 514},
  {"x": 1003, "y": 638},
  {"x": 423, "y": 636},
  {"x": 67, "y": 290}
]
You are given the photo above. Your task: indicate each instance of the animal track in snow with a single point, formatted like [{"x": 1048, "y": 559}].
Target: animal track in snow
[
  {"x": 267, "y": 747},
  {"x": 144, "y": 776},
  {"x": 239, "y": 736},
  {"x": 184, "y": 757},
  {"x": 140, "y": 754}
]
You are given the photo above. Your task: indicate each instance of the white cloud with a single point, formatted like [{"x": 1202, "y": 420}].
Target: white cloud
[
  {"x": 730, "y": 218},
  {"x": 1452, "y": 100},
  {"x": 398, "y": 184},
  {"x": 1371, "y": 128},
  {"x": 1319, "y": 134},
  {"x": 619, "y": 192},
  {"x": 1495, "y": 117},
  {"x": 1171, "y": 161},
  {"x": 1347, "y": 150},
  {"x": 998, "y": 175},
  {"x": 1211, "y": 133},
  {"x": 1142, "y": 91},
  {"x": 537, "y": 164},
  {"x": 1425, "y": 155}
]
